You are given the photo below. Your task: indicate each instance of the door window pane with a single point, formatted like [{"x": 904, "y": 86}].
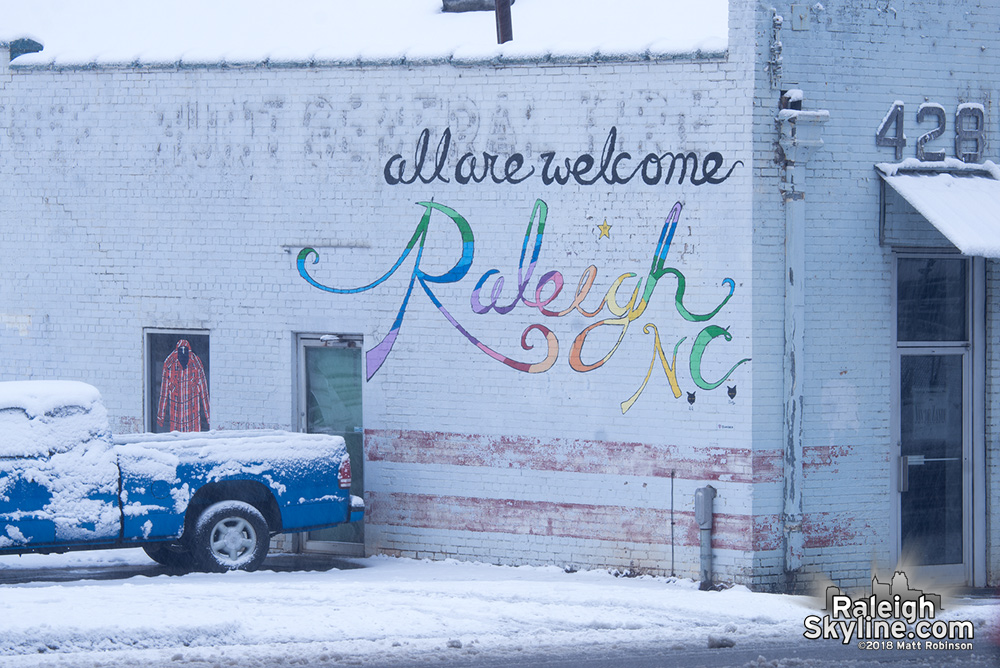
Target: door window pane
[
  {"x": 932, "y": 418},
  {"x": 333, "y": 406},
  {"x": 931, "y": 295}
]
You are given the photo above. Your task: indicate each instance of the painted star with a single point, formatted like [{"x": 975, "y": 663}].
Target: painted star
[{"x": 605, "y": 230}]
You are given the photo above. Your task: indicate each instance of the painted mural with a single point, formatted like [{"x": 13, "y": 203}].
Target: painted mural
[
  {"x": 617, "y": 309},
  {"x": 613, "y": 167}
]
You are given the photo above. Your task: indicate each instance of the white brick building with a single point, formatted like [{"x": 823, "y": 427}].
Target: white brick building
[{"x": 478, "y": 314}]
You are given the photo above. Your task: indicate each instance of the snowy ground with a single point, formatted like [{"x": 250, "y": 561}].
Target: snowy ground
[{"x": 385, "y": 610}]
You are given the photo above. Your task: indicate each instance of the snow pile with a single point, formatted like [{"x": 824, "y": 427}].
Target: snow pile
[
  {"x": 254, "y": 31},
  {"x": 387, "y": 609},
  {"x": 39, "y": 417},
  {"x": 416, "y": 606},
  {"x": 42, "y": 396},
  {"x": 52, "y": 432}
]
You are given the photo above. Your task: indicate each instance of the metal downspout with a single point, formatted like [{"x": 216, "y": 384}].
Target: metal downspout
[
  {"x": 704, "y": 499},
  {"x": 800, "y": 138}
]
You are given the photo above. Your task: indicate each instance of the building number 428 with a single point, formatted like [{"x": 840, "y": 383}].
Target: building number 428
[{"x": 970, "y": 131}]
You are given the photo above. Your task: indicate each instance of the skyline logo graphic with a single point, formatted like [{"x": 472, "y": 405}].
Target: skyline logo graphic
[{"x": 894, "y": 616}]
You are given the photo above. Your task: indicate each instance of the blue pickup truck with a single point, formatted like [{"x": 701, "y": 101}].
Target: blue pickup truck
[{"x": 206, "y": 501}]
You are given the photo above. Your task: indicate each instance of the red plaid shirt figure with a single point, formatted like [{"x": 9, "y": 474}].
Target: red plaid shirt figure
[{"x": 183, "y": 391}]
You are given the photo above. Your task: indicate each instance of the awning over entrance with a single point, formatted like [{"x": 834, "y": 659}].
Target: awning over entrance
[{"x": 963, "y": 204}]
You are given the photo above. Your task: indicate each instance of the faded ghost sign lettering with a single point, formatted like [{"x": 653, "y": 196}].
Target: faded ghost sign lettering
[{"x": 613, "y": 167}]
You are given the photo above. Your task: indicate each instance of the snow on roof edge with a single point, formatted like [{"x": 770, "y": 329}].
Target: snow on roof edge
[
  {"x": 122, "y": 33},
  {"x": 698, "y": 55},
  {"x": 946, "y": 166}
]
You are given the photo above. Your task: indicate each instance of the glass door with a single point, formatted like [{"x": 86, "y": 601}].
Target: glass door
[
  {"x": 934, "y": 416},
  {"x": 329, "y": 402}
]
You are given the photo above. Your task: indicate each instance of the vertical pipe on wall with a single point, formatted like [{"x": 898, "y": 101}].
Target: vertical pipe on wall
[
  {"x": 703, "y": 511},
  {"x": 800, "y": 137},
  {"x": 672, "y": 473}
]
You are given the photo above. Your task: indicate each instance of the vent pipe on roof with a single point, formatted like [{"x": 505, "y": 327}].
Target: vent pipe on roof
[
  {"x": 505, "y": 32},
  {"x": 470, "y": 5},
  {"x": 24, "y": 45},
  {"x": 18, "y": 47}
]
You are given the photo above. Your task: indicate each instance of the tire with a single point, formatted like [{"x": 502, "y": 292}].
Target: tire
[
  {"x": 170, "y": 555},
  {"x": 230, "y": 536}
]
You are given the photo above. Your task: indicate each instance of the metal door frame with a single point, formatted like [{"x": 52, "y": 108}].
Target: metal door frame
[
  {"x": 316, "y": 340},
  {"x": 972, "y": 570}
]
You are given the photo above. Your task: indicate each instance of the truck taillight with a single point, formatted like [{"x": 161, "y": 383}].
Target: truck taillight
[{"x": 344, "y": 474}]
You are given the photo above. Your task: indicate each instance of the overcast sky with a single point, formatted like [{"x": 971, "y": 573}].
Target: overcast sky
[{"x": 235, "y": 31}]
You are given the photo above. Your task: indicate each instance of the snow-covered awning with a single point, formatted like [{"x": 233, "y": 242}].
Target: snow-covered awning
[{"x": 962, "y": 201}]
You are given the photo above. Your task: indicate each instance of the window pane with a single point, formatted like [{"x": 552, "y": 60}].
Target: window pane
[
  {"x": 931, "y": 297},
  {"x": 931, "y": 436},
  {"x": 333, "y": 406}
]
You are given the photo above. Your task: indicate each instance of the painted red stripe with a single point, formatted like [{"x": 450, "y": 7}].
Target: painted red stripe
[
  {"x": 823, "y": 530},
  {"x": 564, "y": 520},
  {"x": 761, "y": 533},
  {"x": 739, "y": 465}
]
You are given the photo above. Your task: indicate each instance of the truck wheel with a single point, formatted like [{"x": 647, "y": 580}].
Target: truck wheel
[
  {"x": 170, "y": 555},
  {"x": 229, "y": 536}
]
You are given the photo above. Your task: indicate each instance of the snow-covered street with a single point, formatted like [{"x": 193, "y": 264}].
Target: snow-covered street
[{"x": 383, "y": 610}]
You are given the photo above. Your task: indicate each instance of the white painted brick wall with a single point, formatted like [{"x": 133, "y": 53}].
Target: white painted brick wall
[
  {"x": 855, "y": 60},
  {"x": 179, "y": 198},
  {"x": 166, "y": 198}
]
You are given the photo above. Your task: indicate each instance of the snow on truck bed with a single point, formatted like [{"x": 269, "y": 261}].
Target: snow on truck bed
[{"x": 237, "y": 445}]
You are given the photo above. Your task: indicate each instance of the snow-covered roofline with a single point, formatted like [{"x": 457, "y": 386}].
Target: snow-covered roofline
[{"x": 192, "y": 33}]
